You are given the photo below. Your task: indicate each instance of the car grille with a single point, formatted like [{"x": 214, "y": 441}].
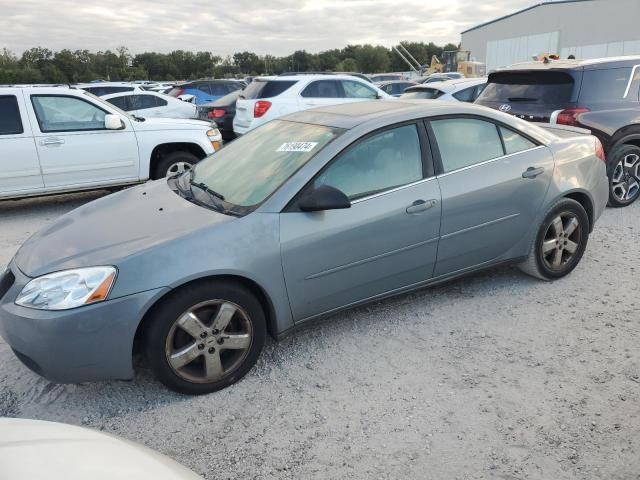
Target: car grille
[{"x": 6, "y": 282}]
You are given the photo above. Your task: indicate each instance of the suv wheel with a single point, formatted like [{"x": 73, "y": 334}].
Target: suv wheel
[
  {"x": 174, "y": 163},
  {"x": 560, "y": 242},
  {"x": 205, "y": 338},
  {"x": 624, "y": 175}
]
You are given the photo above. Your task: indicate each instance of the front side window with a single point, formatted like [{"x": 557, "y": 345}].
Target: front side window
[
  {"x": 67, "y": 114},
  {"x": 463, "y": 142},
  {"x": 357, "y": 90},
  {"x": 514, "y": 142},
  {"x": 384, "y": 161},
  {"x": 249, "y": 169},
  {"x": 322, "y": 89},
  {"x": 10, "y": 121}
]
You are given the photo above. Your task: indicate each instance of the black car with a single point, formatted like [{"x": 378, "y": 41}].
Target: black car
[
  {"x": 601, "y": 95},
  {"x": 222, "y": 112}
]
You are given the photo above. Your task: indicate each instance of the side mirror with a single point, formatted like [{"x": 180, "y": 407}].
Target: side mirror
[
  {"x": 113, "y": 122},
  {"x": 323, "y": 198}
]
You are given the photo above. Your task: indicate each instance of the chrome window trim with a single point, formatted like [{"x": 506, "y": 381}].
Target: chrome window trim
[
  {"x": 633, "y": 73},
  {"x": 489, "y": 161},
  {"x": 392, "y": 190}
]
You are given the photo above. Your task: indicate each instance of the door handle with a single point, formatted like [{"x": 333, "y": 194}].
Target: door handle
[
  {"x": 420, "y": 206},
  {"x": 49, "y": 142},
  {"x": 532, "y": 172}
]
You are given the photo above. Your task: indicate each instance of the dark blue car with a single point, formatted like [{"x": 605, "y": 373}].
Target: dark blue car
[{"x": 206, "y": 91}]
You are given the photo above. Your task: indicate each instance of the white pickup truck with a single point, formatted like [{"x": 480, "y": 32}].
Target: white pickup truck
[{"x": 60, "y": 139}]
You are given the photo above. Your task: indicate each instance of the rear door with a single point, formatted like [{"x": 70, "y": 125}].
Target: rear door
[
  {"x": 531, "y": 95},
  {"x": 321, "y": 93},
  {"x": 387, "y": 240},
  {"x": 493, "y": 182},
  {"x": 74, "y": 147},
  {"x": 19, "y": 164}
]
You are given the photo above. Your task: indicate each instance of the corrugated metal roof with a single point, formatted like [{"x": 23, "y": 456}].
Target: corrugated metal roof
[{"x": 542, "y": 4}]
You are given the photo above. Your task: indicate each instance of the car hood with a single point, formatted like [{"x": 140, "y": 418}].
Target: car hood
[
  {"x": 106, "y": 231},
  {"x": 171, "y": 124},
  {"x": 32, "y": 449}
]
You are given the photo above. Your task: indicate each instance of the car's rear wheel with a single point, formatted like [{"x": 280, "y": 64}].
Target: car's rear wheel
[
  {"x": 174, "y": 163},
  {"x": 560, "y": 243},
  {"x": 624, "y": 175},
  {"x": 205, "y": 337}
]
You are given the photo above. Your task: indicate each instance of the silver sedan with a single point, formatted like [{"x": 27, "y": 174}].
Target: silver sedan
[{"x": 307, "y": 215}]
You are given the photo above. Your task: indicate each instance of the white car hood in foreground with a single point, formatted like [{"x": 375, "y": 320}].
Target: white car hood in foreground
[
  {"x": 34, "y": 450},
  {"x": 170, "y": 124}
]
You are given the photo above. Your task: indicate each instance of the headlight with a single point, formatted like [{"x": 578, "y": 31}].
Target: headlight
[
  {"x": 214, "y": 132},
  {"x": 68, "y": 289}
]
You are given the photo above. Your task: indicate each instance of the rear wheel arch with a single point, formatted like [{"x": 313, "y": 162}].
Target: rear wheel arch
[
  {"x": 585, "y": 200},
  {"x": 252, "y": 286}
]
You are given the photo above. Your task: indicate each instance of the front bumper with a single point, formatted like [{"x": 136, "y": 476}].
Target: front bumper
[{"x": 83, "y": 344}]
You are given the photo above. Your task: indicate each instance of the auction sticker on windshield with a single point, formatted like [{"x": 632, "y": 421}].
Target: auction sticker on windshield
[{"x": 297, "y": 147}]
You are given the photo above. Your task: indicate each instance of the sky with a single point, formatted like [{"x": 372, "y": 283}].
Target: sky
[{"x": 278, "y": 27}]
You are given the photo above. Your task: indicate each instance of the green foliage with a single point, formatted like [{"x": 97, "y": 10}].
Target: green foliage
[{"x": 41, "y": 65}]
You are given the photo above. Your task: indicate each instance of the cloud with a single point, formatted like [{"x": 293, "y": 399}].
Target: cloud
[{"x": 226, "y": 26}]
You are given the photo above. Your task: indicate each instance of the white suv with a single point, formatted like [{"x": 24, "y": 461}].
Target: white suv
[
  {"x": 59, "y": 139},
  {"x": 268, "y": 98}
]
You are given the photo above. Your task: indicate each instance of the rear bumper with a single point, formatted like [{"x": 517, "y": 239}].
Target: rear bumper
[{"x": 84, "y": 344}]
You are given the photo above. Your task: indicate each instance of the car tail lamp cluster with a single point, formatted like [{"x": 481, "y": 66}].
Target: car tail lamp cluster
[
  {"x": 177, "y": 92},
  {"x": 216, "y": 113},
  {"x": 261, "y": 107},
  {"x": 600, "y": 151},
  {"x": 570, "y": 116}
]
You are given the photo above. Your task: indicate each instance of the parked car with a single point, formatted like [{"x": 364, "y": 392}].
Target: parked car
[
  {"x": 222, "y": 111},
  {"x": 395, "y": 88},
  {"x": 386, "y": 77},
  {"x": 105, "y": 88},
  {"x": 32, "y": 449},
  {"x": 441, "y": 77},
  {"x": 600, "y": 95},
  {"x": 59, "y": 139},
  {"x": 151, "y": 104},
  {"x": 205, "y": 91},
  {"x": 463, "y": 90},
  {"x": 272, "y": 97},
  {"x": 361, "y": 76},
  {"x": 305, "y": 216}
]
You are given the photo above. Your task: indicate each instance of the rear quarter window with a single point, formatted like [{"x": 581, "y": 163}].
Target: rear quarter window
[
  {"x": 605, "y": 85},
  {"x": 10, "y": 121},
  {"x": 267, "y": 89}
]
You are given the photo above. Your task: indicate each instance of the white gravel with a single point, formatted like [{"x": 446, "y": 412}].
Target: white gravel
[{"x": 493, "y": 376}]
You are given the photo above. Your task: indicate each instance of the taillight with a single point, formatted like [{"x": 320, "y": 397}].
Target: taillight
[
  {"x": 600, "y": 151},
  {"x": 261, "y": 107},
  {"x": 177, "y": 92},
  {"x": 570, "y": 116},
  {"x": 216, "y": 113}
]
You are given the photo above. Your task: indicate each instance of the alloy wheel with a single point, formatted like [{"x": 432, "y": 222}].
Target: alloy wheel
[
  {"x": 178, "y": 168},
  {"x": 561, "y": 241},
  {"x": 209, "y": 341},
  {"x": 625, "y": 181}
]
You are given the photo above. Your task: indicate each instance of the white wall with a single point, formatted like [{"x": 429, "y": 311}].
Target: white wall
[
  {"x": 612, "y": 49},
  {"x": 519, "y": 49}
]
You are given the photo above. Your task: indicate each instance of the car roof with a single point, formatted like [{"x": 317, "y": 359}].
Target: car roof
[
  {"x": 567, "y": 64},
  {"x": 391, "y": 82},
  {"x": 315, "y": 76}
]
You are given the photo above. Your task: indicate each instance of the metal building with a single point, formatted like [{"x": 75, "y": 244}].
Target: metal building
[{"x": 583, "y": 28}]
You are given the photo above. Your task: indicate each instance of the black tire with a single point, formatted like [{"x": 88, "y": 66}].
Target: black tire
[
  {"x": 164, "y": 338},
  {"x": 622, "y": 173},
  {"x": 541, "y": 261},
  {"x": 161, "y": 169}
]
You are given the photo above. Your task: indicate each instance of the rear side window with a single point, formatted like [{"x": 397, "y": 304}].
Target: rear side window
[
  {"x": 514, "y": 142},
  {"x": 545, "y": 87},
  {"x": 10, "y": 121},
  {"x": 267, "y": 88},
  {"x": 605, "y": 85},
  {"x": 120, "y": 102},
  {"x": 463, "y": 142},
  {"x": 465, "y": 95},
  {"x": 322, "y": 89},
  {"x": 422, "y": 94}
]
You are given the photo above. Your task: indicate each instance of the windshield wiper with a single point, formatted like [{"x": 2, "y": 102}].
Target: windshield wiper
[{"x": 202, "y": 186}]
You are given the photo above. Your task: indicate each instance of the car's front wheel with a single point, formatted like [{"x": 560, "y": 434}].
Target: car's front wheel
[
  {"x": 560, "y": 243},
  {"x": 205, "y": 337},
  {"x": 174, "y": 163},
  {"x": 624, "y": 175}
]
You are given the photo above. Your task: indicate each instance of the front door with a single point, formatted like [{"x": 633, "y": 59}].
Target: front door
[
  {"x": 387, "y": 240},
  {"x": 75, "y": 148},
  {"x": 493, "y": 183}
]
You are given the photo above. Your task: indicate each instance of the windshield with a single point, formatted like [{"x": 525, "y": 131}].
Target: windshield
[{"x": 248, "y": 170}]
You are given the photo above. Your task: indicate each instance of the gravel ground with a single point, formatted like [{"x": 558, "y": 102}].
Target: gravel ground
[{"x": 493, "y": 376}]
